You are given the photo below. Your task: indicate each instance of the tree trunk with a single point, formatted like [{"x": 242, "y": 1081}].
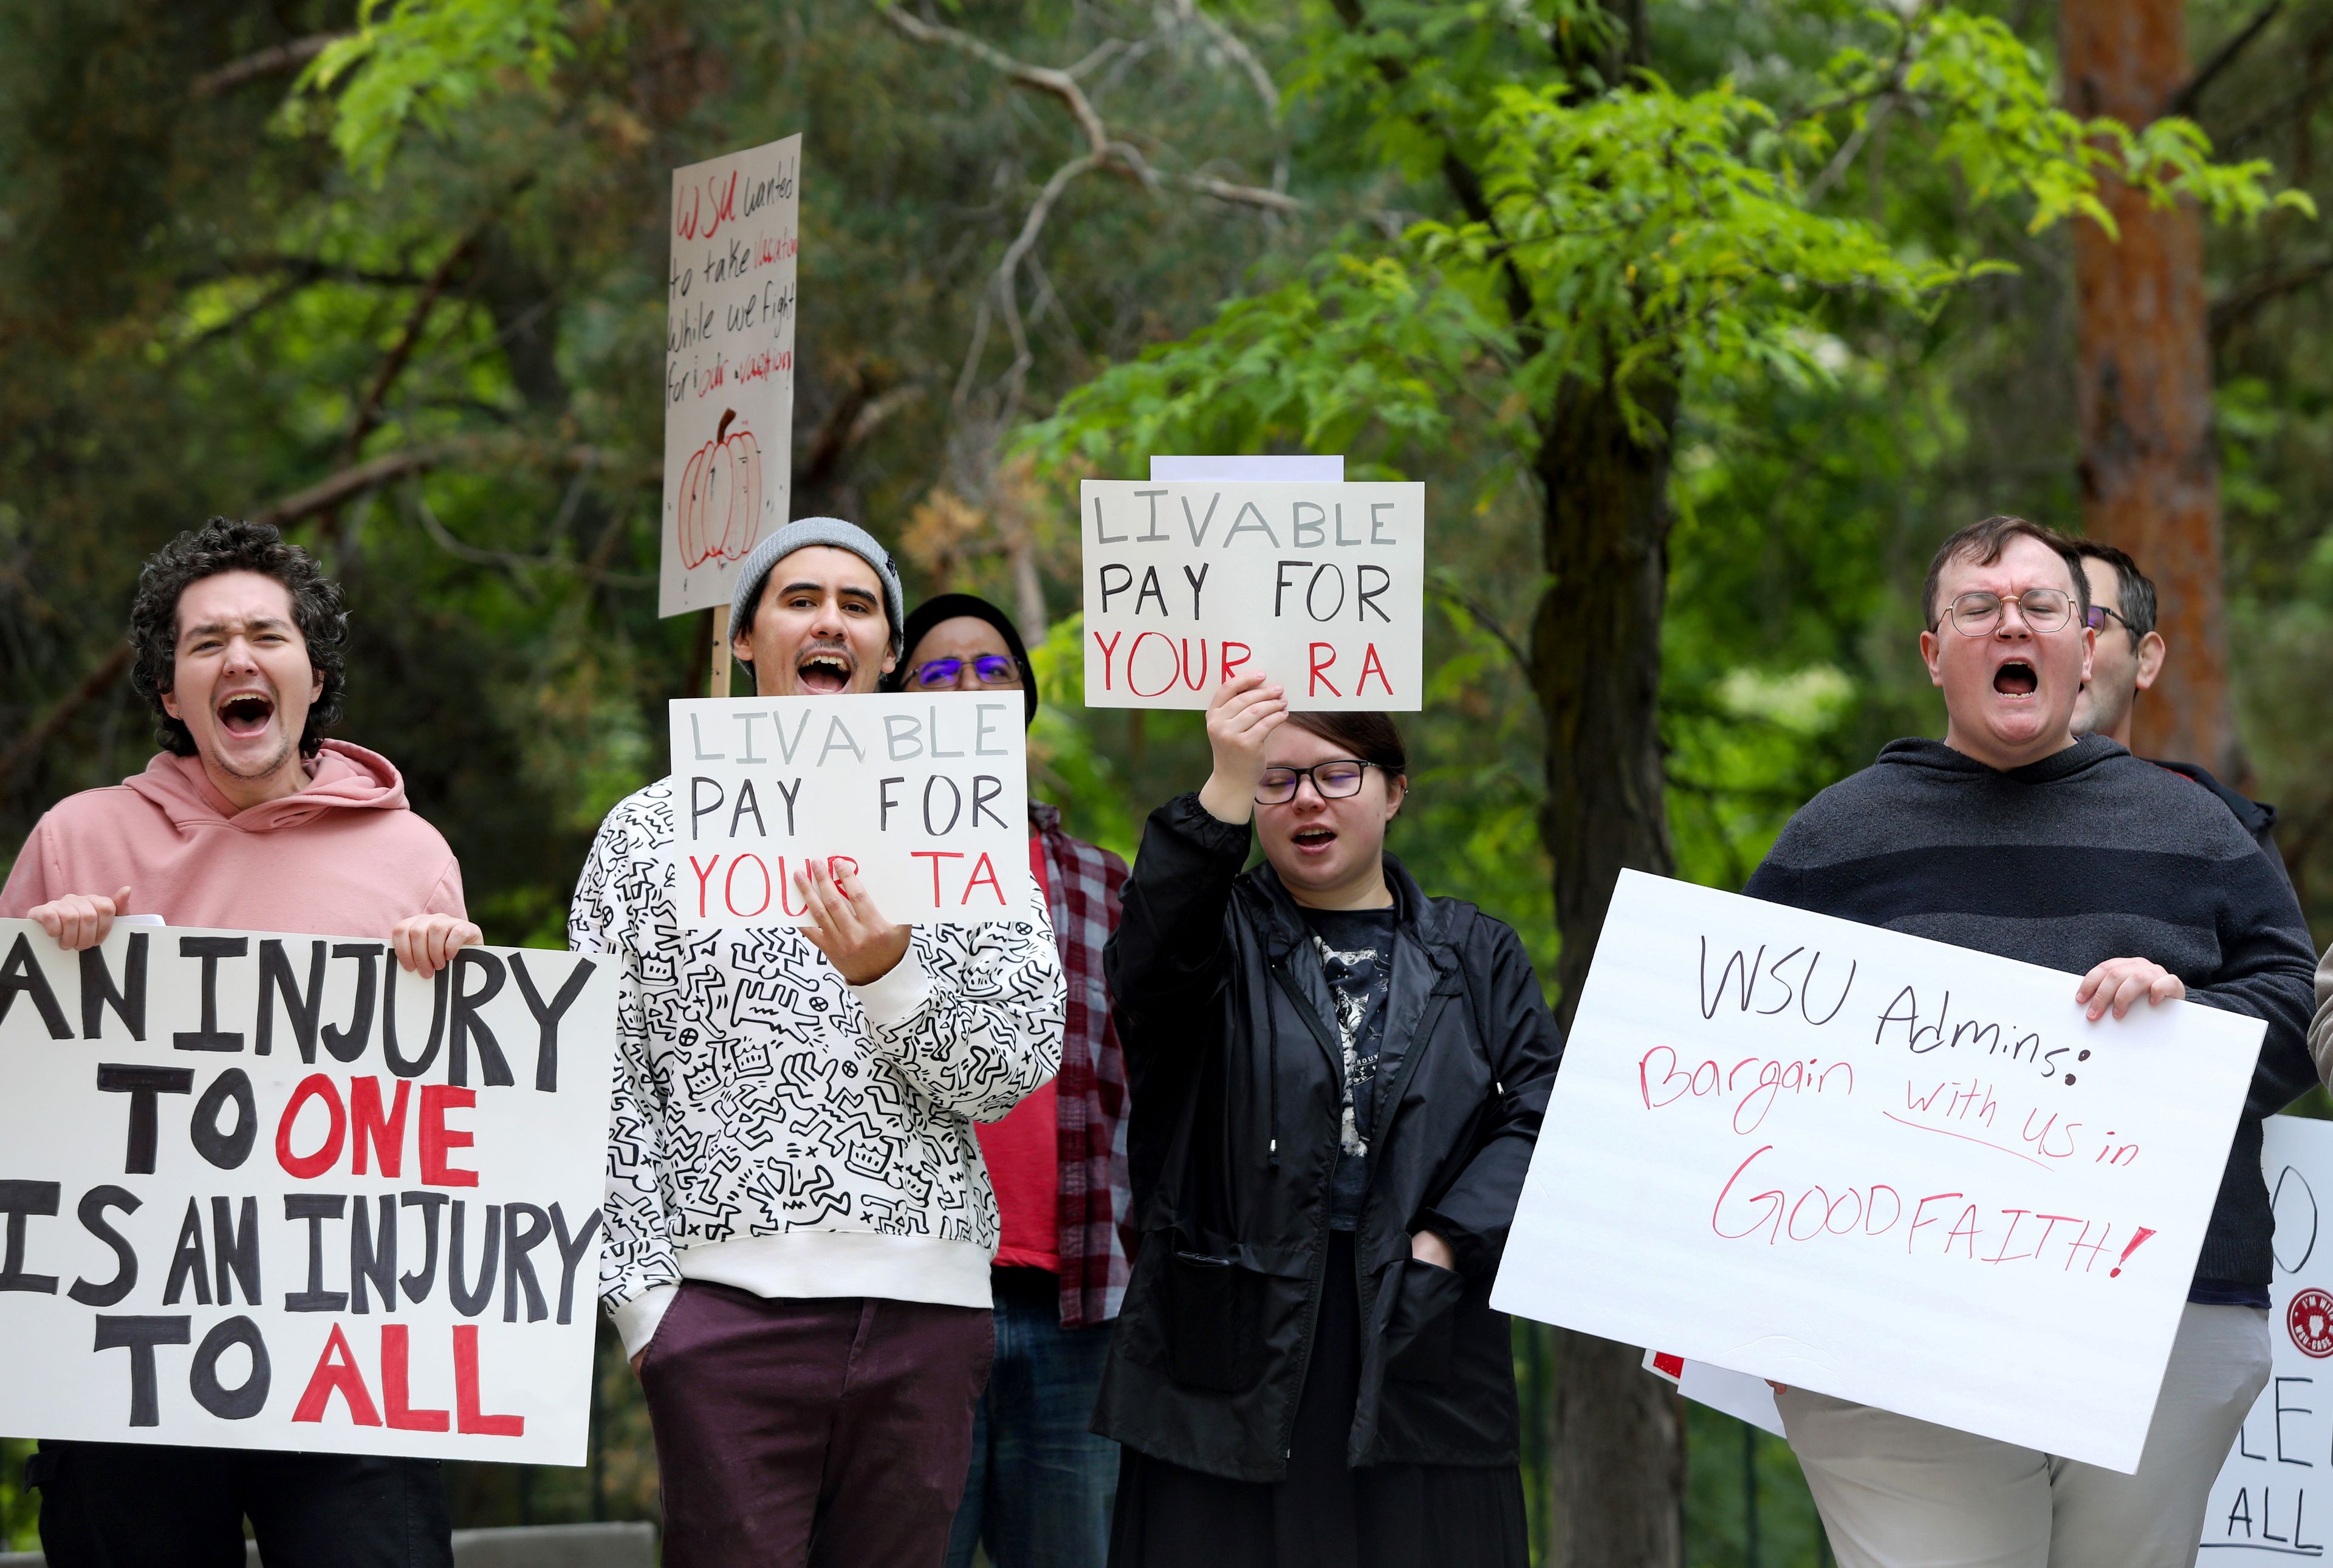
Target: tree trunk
[
  {"x": 2149, "y": 473},
  {"x": 1596, "y": 663}
]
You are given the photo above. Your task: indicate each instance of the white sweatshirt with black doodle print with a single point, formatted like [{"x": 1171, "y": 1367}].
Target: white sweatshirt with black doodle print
[{"x": 779, "y": 1130}]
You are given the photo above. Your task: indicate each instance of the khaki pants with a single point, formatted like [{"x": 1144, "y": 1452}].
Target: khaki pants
[{"x": 1896, "y": 1493}]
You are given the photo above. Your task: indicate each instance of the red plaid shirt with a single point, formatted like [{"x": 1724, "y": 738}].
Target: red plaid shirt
[{"x": 1084, "y": 881}]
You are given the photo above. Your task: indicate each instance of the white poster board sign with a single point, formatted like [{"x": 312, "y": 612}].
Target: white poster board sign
[
  {"x": 2274, "y": 1497},
  {"x": 925, "y": 795},
  {"x": 1321, "y": 586},
  {"x": 728, "y": 367},
  {"x": 274, "y": 1192},
  {"x": 1878, "y": 1167}
]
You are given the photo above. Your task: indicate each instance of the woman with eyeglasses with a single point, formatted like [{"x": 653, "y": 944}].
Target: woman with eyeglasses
[{"x": 1336, "y": 1082}]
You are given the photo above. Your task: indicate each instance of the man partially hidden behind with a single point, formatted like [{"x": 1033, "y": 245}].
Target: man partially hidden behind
[
  {"x": 249, "y": 818},
  {"x": 799, "y": 1226},
  {"x": 1039, "y": 1492},
  {"x": 2011, "y": 836},
  {"x": 2126, "y": 656}
]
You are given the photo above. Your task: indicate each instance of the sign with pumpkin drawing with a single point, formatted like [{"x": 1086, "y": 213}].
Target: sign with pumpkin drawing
[{"x": 728, "y": 367}]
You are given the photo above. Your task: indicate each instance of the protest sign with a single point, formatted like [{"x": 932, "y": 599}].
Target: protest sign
[
  {"x": 1877, "y": 1166},
  {"x": 1735, "y": 1394},
  {"x": 1301, "y": 467},
  {"x": 1319, "y": 586},
  {"x": 2275, "y": 1492},
  {"x": 925, "y": 795},
  {"x": 728, "y": 367},
  {"x": 274, "y": 1192}
]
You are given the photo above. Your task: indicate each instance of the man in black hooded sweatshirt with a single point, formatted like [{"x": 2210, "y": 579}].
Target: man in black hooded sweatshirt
[{"x": 2011, "y": 836}]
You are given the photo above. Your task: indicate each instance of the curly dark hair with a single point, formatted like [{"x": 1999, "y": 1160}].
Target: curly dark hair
[{"x": 226, "y": 544}]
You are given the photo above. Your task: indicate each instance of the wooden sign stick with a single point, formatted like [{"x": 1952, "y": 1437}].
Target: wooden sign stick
[{"x": 718, "y": 685}]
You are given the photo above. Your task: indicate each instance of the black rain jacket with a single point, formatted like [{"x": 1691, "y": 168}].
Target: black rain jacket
[{"x": 1235, "y": 1072}]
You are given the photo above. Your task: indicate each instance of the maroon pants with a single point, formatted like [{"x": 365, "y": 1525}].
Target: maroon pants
[{"x": 835, "y": 1433}]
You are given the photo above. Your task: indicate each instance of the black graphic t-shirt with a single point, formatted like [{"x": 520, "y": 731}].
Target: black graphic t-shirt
[{"x": 1356, "y": 949}]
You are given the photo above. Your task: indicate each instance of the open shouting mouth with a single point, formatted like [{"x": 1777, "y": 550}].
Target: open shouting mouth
[
  {"x": 2016, "y": 678},
  {"x": 1315, "y": 839},
  {"x": 244, "y": 715},
  {"x": 825, "y": 671}
]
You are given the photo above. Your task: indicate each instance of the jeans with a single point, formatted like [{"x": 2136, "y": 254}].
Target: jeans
[{"x": 1040, "y": 1489}]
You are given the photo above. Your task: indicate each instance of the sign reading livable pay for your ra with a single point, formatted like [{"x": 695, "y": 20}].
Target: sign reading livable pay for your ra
[
  {"x": 1319, "y": 586},
  {"x": 1877, "y": 1166},
  {"x": 274, "y": 1192},
  {"x": 923, "y": 797},
  {"x": 728, "y": 367}
]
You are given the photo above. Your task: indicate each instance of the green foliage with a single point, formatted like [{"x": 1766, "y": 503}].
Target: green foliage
[
  {"x": 424, "y": 62},
  {"x": 1990, "y": 92},
  {"x": 1362, "y": 346}
]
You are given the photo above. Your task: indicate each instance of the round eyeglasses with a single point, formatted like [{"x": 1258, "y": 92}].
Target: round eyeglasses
[
  {"x": 1334, "y": 780},
  {"x": 1978, "y": 614},
  {"x": 988, "y": 668}
]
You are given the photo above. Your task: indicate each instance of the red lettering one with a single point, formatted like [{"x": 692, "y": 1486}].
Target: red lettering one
[
  {"x": 307, "y": 1166},
  {"x": 1231, "y": 664},
  {"x": 704, "y": 873},
  {"x": 473, "y": 1420},
  {"x": 1109, "y": 653},
  {"x": 1370, "y": 662},
  {"x": 395, "y": 1387},
  {"x": 1319, "y": 677},
  {"x": 436, "y": 1137},
  {"x": 384, "y": 1134},
  {"x": 336, "y": 1371}
]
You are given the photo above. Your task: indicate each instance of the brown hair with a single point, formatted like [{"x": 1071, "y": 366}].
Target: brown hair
[
  {"x": 1371, "y": 736},
  {"x": 2138, "y": 608},
  {"x": 1981, "y": 544}
]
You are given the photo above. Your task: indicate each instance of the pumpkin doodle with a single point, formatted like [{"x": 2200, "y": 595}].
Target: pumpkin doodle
[{"x": 720, "y": 496}]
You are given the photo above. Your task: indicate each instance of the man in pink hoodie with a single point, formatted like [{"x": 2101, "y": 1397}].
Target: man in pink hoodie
[{"x": 248, "y": 819}]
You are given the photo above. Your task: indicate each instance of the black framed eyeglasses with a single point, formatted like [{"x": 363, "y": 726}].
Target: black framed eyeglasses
[
  {"x": 2099, "y": 615},
  {"x": 988, "y": 668},
  {"x": 1334, "y": 780},
  {"x": 1978, "y": 614}
]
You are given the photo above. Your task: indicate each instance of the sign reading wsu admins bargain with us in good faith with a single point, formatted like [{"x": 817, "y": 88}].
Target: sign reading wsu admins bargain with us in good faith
[
  {"x": 268, "y": 1191},
  {"x": 925, "y": 796},
  {"x": 728, "y": 367},
  {"x": 1319, "y": 586},
  {"x": 1887, "y": 1169}
]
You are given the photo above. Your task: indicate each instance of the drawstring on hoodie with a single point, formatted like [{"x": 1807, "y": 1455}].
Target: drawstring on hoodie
[{"x": 1272, "y": 1069}]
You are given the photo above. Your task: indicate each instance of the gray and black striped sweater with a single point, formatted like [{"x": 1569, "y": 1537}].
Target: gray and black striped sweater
[{"x": 2088, "y": 855}]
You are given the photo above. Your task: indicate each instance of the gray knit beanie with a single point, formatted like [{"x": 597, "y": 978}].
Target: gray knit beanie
[{"x": 798, "y": 534}]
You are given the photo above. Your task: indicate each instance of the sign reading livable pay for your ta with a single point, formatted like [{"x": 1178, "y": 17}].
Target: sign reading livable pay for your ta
[
  {"x": 274, "y": 1192},
  {"x": 728, "y": 367},
  {"x": 1319, "y": 586},
  {"x": 1877, "y": 1166},
  {"x": 925, "y": 797}
]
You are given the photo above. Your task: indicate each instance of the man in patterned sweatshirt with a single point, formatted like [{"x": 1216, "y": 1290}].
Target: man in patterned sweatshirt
[{"x": 798, "y": 1224}]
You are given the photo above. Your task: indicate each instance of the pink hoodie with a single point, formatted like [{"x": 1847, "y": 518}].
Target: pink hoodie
[{"x": 344, "y": 857}]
